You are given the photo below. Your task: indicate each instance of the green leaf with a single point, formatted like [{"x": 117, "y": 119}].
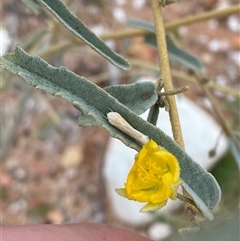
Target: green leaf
[
  {"x": 73, "y": 23},
  {"x": 141, "y": 24},
  {"x": 183, "y": 56},
  {"x": 153, "y": 114},
  {"x": 137, "y": 96},
  {"x": 175, "y": 52},
  {"x": 96, "y": 103}
]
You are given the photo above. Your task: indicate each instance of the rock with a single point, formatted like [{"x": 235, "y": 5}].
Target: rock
[
  {"x": 138, "y": 4},
  {"x": 5, "y": 180},
  {"x": 72, "y": 157},
  {"x": 234, "y": 56},
  {"x": 119, "y": 14},
  {"x": 159, "y": 231},
  {"x": 236, "y": 43},
  {"x": 55, "y": 217},
  {"x": 5, "y": 41},
  {"x": 233, "y": 23},
  {"x": 18, "y": 206},
  {"x": 216, "y": 45},
  {"x": 20, "y": 174},
  {"x": 200, "y": 133}
]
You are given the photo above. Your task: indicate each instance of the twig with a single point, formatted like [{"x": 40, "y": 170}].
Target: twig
[
  {"x": 219, "y": 13},
  {"x": 174, "y": 92},
  {"x": 167, "y": 79},
  {"x": 181, "y": 75},
  {"x": 165, "y": 72},
  {"x": 211, "y": 84}
]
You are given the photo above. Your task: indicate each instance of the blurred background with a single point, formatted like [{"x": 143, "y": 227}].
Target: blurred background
[{"x": 52, "y": 170}]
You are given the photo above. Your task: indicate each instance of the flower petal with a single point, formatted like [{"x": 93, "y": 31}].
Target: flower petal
[
  {"x": 152, "y": 206},
  {"x": 154, "y": 177},
  {"x": 121, "y": 192}
]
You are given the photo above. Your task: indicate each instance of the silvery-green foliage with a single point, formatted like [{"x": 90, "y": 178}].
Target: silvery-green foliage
[
  {"x": 76, "y": 26},
  {"x": 95, "y": 103}
]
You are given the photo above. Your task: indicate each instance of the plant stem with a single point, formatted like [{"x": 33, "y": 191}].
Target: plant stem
[
  {"x": 167, "y": 80},
  {"x": 165, "y": 72}
]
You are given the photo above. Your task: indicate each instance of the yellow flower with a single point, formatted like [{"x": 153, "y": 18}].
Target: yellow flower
[{"x": 153, "y": 178}]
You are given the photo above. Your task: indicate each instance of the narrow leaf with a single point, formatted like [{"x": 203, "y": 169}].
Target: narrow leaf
[
  {"x": 141, "y": 24},
  {"x": 95, "y": 102},
  {"x": 74, "y": 24},
  {"x": 183, "y": 56},
  {"x": 175, "y": 52},
  {"x": 153, "y": 114}
]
